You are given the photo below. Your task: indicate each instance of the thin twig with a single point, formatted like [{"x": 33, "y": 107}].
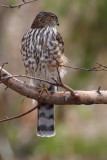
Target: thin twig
[
  {"x": 67, "y": 88},
  {"x": 1, "y": 81},
  {"x": 24, "y": 76},
  {"x": 98, "y": 91},
  {"x": 2, "y": 67},
  {"x": 18, "y": 5},
  {"x": 19, "y": 116},
  {"x": 85, "y": 69},
  {"x": 60, "y": 80},
  {"x": 101, "y": 65},
  {"x": 6, "y": 88}
]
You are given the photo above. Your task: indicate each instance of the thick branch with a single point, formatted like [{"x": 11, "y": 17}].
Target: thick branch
[{"x": 61, "y": 98}]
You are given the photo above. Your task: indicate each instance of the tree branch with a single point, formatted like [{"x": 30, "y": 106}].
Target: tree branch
[
  {"x": 99, "y": 67},
  {"x": 19, "y": 116},
  {"x": 59, "y": 98},
  {"x": 18, "y": 5}
]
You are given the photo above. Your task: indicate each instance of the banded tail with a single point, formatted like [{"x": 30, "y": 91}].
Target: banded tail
[{"x": 46, "y": 122}]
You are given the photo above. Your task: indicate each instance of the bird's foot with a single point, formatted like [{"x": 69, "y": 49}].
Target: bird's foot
[{"x": 42, "y": 90}]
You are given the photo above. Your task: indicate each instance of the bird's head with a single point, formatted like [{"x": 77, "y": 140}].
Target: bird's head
[{"x": 45, "y": 19}]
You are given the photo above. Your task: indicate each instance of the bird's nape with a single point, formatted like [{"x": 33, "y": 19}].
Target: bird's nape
[{"x": 45, "y": 19}]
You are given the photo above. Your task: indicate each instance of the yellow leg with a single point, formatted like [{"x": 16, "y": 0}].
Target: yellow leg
[{"x": 42, "y": 90}]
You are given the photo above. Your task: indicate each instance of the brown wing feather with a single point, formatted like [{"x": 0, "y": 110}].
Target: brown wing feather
[{"x": 60, "y": 41}]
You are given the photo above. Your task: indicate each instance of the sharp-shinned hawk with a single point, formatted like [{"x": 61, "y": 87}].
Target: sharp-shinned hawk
[{"x": 42, "y": 48}]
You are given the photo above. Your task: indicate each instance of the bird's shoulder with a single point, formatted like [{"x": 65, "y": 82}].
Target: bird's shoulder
[{"x": 59, "y": 38}]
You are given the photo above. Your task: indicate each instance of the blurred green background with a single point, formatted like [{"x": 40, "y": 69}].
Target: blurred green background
[{"x": 81, "y": 130}]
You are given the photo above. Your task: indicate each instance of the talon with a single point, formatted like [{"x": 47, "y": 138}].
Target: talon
[{"x": 41, "y": 90}]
